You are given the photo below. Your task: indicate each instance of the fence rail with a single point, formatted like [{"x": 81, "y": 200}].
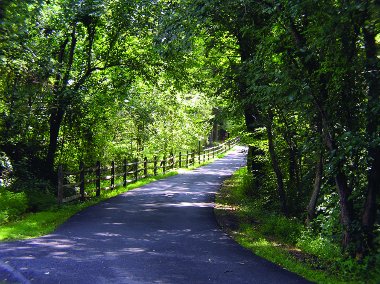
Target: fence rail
[{"x": 90, "y": 181}]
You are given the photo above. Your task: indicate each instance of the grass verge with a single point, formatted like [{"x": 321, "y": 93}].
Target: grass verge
[{"x": 276, "y": 238}]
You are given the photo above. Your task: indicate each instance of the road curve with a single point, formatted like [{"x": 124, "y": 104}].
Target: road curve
[{"x": 164, "y": 232}]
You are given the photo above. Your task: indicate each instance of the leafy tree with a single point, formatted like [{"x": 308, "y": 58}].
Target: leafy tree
[
  {"x": 308, "y": 74},
  {"x": 84, "y": 80}
]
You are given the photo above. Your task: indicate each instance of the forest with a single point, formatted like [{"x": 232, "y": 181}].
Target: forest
[{"x": 297, "y": 81}]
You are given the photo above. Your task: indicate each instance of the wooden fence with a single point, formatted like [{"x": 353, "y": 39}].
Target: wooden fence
[{"x": 90, "y": 181}]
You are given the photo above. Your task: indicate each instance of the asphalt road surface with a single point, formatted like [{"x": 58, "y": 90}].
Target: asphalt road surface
[{"x": 164, "y": 232}]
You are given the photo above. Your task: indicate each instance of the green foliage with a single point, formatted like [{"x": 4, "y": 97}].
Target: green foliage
[
  {"x": 12, "y": 205},
  {"x": 318, "y": 245},
  {"x": 38, "y": 193},
  {"x": 317, "y": 256},
  {"x": 37, "y": 224},
  {"x": 286, "y": 230},
  {"x": 305, "y": 72},
  {"x": 365, "y": 271},
  {"x": 85, "y": 81},
  {"x": 328, "y": 220},
  {"x": 39, "y": 200}
]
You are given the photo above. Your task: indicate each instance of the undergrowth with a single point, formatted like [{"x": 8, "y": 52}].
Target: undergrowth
[{"x": 286, "y": 241}]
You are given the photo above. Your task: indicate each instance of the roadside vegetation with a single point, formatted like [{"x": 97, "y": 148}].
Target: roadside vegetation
[{"x": 245, "y": 213}]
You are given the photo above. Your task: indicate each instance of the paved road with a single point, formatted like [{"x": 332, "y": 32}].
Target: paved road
[{"x": 164, "y": 232}]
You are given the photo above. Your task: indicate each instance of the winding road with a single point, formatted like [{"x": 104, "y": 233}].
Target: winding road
[{"x": 164, "y": 232}]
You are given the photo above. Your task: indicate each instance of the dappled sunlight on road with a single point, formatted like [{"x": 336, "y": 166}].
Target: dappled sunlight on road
[{"x": 181, "y": 204}]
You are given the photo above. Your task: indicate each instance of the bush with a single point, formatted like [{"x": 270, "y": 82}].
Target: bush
[
  {"x": 40, "y": 200},
  {"x": 319, "y": 245},
  {"x": 39, "y": 194},
  {"x": 12, "y": 205},
  {"x": 286, "y": 230}
]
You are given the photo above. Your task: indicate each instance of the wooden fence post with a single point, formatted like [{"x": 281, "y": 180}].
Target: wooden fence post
[
  {"x": 199, "y": 152},
  {"x": 125, "y": 172},
  {"x": 81, "y": 178},
  {"x": 172, "y": 162},
  {"x": 155, "y": 165},
  {"x": 193, "y": 158},
  {"x": 97, "y": 178},
  {"x": 180, "y": 160},
  {"x": 112, "y": 175},
  {"x": 163, "y": 165},
  {"x": 136, "y": 169},
  {"x": 60, "y": 184},
  {"x": 187, "y": 159},
  {"x": 145, "y": 167}
]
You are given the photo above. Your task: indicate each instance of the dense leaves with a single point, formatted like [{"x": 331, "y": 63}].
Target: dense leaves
[{"x": 83, "y": 80}]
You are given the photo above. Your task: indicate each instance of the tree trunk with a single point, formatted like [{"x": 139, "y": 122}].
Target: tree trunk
[
  {"x": 373, "y": 123},
  {"x": 344, "y": 191},
  {"x": 276, "y": 166},
  {"x": 311, "y": 208},
  {"x": 346, "y": 208},
  {"x": 55, "y": 122},
  {"x": 316, "y": 189},
  {"x": 293, "y": 186}
]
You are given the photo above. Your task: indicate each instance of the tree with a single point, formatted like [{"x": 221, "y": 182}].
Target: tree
[
  {"x": 71, "y": 42},
  {"x": 81, "y": 76},
  {"x": 308, "y": 71}
]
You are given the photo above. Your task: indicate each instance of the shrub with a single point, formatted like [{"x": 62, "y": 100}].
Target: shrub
[
  {"x": 319, "y": 245},
  {"x": 39, "y": 193},
  {"x": 12, "y": 205},
  {"x": 39, "y": 200},
  {"x": 286, "y": 230}
]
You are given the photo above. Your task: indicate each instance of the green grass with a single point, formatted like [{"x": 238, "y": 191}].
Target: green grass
[
  {"x": 38, "y": 224},
  {"x": 273, "y": 251},
  {"x": 281, "y": 240}
]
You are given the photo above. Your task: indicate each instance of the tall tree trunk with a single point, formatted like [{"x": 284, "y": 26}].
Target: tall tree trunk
[
  {"x": 373, "y": 126},
  {"x": 311, "y": 208},
  {"x": 57, "y": 113},
  {"x": 346, "y": 208},
  {"x": 276, "y": 166},
  {"x": 251, "y": 125},
  {"x": 55, "y": 122},
  {"x": 344, "y": 191},
  {"x": 316, "y": 189}
]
